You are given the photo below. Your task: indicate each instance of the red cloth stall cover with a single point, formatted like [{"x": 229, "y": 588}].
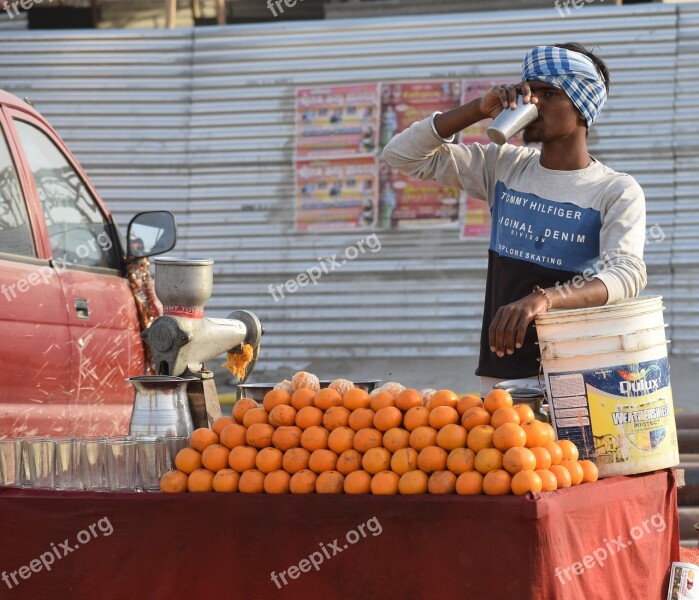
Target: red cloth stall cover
[{"x": 612, "y": 539}]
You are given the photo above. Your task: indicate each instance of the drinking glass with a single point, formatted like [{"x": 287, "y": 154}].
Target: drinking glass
[
  {"x": 11, "y": 462},
  {"x": 41, "y": 461},
  {"x": 121, "y": 464},
  {"x": 93, "y": 459},
  {"x": 152, "y": 461},
  {"x": 173, "y": 444},
  {"x": 67, "y": 475}
]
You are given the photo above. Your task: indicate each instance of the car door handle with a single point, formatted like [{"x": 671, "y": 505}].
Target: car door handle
[{"x": 82, "y": 309}]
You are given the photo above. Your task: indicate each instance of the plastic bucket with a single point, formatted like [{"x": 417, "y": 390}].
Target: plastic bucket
[{"x": 608, "y": 384}]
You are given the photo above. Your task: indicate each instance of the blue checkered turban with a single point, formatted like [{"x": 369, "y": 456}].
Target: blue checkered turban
[{"x": 570, "y": 71}]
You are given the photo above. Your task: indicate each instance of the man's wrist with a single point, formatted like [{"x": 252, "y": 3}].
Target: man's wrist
[{"x": 448, "y": 140}]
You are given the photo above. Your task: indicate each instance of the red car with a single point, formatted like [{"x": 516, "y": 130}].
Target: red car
[{"x": 69, "y": 327}]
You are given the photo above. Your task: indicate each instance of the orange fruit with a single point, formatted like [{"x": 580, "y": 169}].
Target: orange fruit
[
  {"x": 215, "y": 457},
  {"x": 575, "y": 469},
  {"x": 518, "y": 459},
  {"x": 461, "y": 460},
  {"x": 549, "y": 483},
  {"x": 251, "y": 481},
  {"x": 504, "y": 415},
  {"x": 555, "y": 452},
  {"x": 255, "y": 415},
  {"x": 488, "y": 459},
  {"x": 443, "y": 415},
  {"x": 543, "y": 458},
  {"x": 268, "y": 460},
  {"x": 281, "y": 415},
  {"x": 241, "y": 407},
  {"x": 361, "y": 418},
  {"x": 551, "y": 431},
  {"x": 432, "y": 458},
  {"x": 322, "y": 460},
  {"x": 336, "y": 416},
  {"x": 277, "y": 482},
  {"x": 349, "y": 461},
  {"x": 387, "y": 418},
  {"x": 444, "y": 398},
  {"x": 242, "y": 458},
  {"x": 375, "y": 460},
  {"x": 174, "y": 482},
  {"x": 303, "y": 482},
  {"x": 233, "y": 435},
  {"x": 385, "y": 483},
  {"x": 568, "y": 449},
  {"x": 259, "y": 435},
  {"x": 286, "y": 437},
  {"x": 536, "y": 433},
  {"x": 315, "y": 438},
  {"x": 497, "y": 483},
  {"x": 295, "y": 460},
  {"x": 396, "y": 438},
  {"x": 330, "y": 482},
  {"x": 201, "y": 438},
  {"x": 475, "y": 416},
  {"x": 226, "y": 480},
  {"x": 302, "y": 397},
  {"x": 509, "y": 436},
  {"x": 201, "y": 480},
  {"x": 524, "y": 411},
  {"x": 366, "y": 439},
  {"x": 469, "y": 483},
  {"x": 481, "y": 436},
  {"x": 303, "y": 379},
  {"x": 562, "y": 474},
  {"x": 418, "y": 416},
  {"x": 404, "y": 460},
  {"x": 442, "y": 482},
  {"x": 525, "y": 481},
  {"x": 381, "y": 400},
  {"x": 468, "y": 401},
  {"x": 407, "y": 399},
  {"x": 356, "y": 398},
  {"x": 497, "y": 399},
  {"x": 275, "y": 398},
  {"x": 413, "y": 482},
  {"x": 590, "y": 471},
  {"x": 340, "y": 439},
  {"x": 421, "y": 437},
  {"x": 357, "y": 482},
  {"x": 327, "y": 398},
  {"x": 452, "y": 436},
  {"x": 188, "y": 460},
  {"x": 221, "y": 423},
  {"x": 309, "y": 416}
]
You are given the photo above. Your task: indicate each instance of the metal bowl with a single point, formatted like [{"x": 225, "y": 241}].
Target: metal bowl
[
  {"x": 255, "y": 391},
  {"x": 368, "y": 385},
  {"x": 527, "y": 391}
]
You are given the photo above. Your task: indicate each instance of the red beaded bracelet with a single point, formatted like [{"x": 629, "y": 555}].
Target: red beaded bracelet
[{"x": 546, "y": 295}]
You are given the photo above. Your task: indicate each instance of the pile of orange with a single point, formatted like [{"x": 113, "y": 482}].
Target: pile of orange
[{"x": 304, "y": 439}]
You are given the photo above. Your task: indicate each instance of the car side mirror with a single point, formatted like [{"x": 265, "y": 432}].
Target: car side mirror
[{"x": 151, "y": 233}]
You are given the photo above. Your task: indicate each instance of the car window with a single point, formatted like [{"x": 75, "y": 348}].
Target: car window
[
  {"x": 77, "y": 228},
  {"x": 15, "y": 232}
]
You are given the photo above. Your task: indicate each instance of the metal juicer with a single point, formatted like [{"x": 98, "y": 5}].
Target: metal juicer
[{"x": 183, "y": 340}]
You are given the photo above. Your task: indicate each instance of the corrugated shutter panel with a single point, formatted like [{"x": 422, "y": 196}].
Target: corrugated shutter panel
[{"x": 202, "y": 122}]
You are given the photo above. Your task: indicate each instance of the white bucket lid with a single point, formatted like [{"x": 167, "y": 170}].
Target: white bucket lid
[{"x": 621, "y": 309}]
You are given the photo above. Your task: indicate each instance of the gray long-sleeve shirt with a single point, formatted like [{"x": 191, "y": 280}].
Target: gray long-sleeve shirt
[{"x": 548, "y": 226}]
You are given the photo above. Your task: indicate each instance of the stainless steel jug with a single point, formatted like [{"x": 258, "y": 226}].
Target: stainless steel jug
[{"x": 160, "y": 406}]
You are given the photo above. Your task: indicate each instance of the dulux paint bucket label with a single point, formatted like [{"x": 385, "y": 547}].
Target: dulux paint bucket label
[{"x": 619, "y": 416}]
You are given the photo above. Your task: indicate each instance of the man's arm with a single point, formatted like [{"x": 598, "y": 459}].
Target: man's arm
[{"x": 506, "y": 331}]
